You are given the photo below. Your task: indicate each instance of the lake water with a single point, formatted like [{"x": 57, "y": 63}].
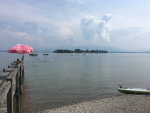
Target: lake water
[{"x": 72, "y": 79}]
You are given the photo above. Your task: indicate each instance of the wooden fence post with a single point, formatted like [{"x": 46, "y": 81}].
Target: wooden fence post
[
  {"x": 10, "y": 96},
  {"x": 17, "y": 83},
  {"x": 20, "y": 79},
  {"x": 17, "y": 94}
]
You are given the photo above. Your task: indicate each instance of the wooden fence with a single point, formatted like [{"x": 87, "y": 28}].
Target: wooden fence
[{"x": 10, "y": 86}]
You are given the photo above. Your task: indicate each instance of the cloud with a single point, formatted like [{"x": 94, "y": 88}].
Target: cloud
[
  {"x": 12, "y": 38},
  {"x": 78, "y": 1},
  {"x": 33, "y": 24},
  {"x": 65, "y": 35},
  {"x": 102, "y": 31},
  {"x": 64, "y": 22},
  {"x": 40, "y": 31},
  {"x": 88, "y": 26},
  {"x": 130, "y": 38},
  {"x": 107, "y": 17},
  {"x": 93, "y": 28}
]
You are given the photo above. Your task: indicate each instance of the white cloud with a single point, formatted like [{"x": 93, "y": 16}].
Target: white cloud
[
  {"x": 12, "y": 38},
  {"x": 62, "y": 22},
  {"x": 9, "y": 34},
  {"x": 40, "y": 31},
  {"x": 93, "y": 28},
  {"x": 64, "y": 33},
  {"x": 107, "y": 17},
  {"x": 130, "y": 38}
]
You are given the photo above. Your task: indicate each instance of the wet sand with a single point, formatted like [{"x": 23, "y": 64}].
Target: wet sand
[{"x": 126, "y": 103}]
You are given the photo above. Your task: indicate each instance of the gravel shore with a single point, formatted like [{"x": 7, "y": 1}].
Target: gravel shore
[{"x": 126, "y": 103}]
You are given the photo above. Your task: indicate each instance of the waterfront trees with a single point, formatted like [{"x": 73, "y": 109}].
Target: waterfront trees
[{"x": 79, "y": 51}]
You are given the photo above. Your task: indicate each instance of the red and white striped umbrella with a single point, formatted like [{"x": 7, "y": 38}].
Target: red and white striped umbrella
[{"x": 21, "y": 49}]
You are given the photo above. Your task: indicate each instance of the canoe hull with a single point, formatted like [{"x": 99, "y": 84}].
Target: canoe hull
[{"x": 130, "y": 90}]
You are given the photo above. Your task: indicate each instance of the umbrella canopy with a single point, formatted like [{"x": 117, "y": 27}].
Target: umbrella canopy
[{"x": 21, "y": 49}]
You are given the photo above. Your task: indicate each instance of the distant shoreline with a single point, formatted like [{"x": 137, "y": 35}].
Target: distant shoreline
[
  {"x": 79, "y": 51},
  {"x": 107, "y": 52},
  {"x": 3, "y": 51},
  {"x": 128, "y": 52}
]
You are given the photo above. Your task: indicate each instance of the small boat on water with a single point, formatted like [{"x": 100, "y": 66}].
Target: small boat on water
[
  {"x": 73, "y": 54},
  {"x": 45, "y": 53},
  {"x": 33, "y": 53},
  {"x": 134, "y": 90},
  {"x": 85, "y": 54}
]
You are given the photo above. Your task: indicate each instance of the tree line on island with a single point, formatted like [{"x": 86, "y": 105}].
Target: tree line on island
[{"x": 79, "y": 51}]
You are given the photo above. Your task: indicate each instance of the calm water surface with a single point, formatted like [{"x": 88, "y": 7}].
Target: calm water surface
[{"x": 71, "y": 79}]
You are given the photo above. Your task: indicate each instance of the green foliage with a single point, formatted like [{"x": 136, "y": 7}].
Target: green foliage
[{"x": 79, "y": 51}]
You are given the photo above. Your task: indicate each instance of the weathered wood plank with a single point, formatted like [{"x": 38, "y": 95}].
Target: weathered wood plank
[
  {"x": 4, "y": 92},
  {"x": 6, "y": 73},
  {"x": 10, "y": 97},
  {"x": 3, "y": 108},
  {"x": 15, "y": 72},
  {"x": 3, "y": 77},
  {"x": 3, "y": 85}
]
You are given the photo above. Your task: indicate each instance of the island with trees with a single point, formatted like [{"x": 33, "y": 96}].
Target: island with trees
[{"x": 79, "y": 51}]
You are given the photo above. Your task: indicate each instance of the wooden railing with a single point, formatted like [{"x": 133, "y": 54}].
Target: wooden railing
[{"x": 10, "y": 86}]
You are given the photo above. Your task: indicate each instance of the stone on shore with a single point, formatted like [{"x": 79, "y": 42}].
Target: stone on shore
[{"x": 127, "y": 103}]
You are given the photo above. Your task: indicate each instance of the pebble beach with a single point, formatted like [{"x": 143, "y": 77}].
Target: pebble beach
[{"x": 126, "y": 103}]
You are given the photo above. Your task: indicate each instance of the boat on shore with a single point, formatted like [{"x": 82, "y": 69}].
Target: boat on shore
[{"x": 134, "y": 90}]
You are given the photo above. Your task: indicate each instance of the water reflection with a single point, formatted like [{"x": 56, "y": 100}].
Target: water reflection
[{"x": 71, "y": 79}]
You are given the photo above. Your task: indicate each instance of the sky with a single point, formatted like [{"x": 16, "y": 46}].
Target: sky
[{"x": 112, "y": 25}]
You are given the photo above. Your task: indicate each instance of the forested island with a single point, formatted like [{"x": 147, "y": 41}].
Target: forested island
[{"x": 79, "y": 51}]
